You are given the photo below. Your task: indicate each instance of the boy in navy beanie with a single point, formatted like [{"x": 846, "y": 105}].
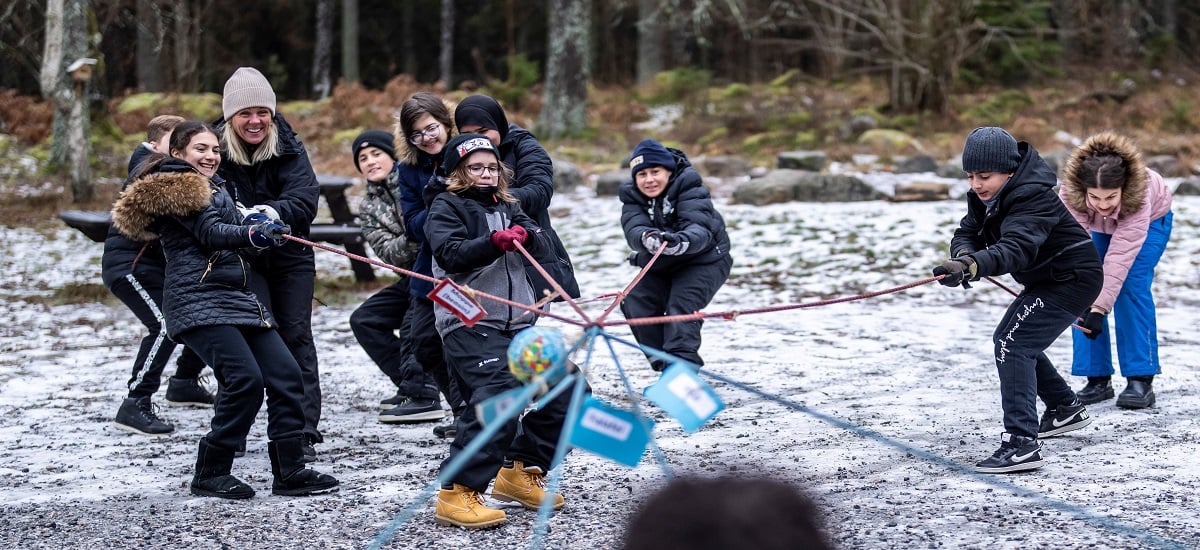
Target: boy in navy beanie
[{"x": 650, "y": 153}]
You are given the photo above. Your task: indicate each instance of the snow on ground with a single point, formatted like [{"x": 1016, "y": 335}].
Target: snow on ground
[{"x": 873, "y": 407}]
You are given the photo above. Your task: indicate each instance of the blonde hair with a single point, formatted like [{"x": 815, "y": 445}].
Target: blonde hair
[
  {"x": 460, "y": 180},
  {"x": 233, "y": 146},
  {"x": 160, "y": 126}
]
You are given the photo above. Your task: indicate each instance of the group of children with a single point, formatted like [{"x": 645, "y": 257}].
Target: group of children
[{"x": 200, "y": 252}]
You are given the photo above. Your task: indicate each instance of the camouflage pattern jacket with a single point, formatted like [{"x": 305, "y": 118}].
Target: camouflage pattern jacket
[{"x": 382, "y": 224}]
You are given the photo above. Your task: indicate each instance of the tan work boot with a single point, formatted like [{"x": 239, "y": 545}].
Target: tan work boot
[
  {"x": 464, "y": 507},
  {"x": 524, "y": 484}
]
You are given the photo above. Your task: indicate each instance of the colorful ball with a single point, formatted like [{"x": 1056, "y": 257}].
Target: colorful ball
[{"x": 535, "y": 351}]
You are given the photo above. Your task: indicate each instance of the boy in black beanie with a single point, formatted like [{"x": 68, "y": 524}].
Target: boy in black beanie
[{"x": 1016, "y": 224}]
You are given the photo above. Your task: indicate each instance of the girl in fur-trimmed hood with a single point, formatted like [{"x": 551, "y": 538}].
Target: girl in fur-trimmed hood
[{"x": 1127, "y": 208}]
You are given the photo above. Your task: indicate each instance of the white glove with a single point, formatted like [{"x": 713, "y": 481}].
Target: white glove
[
  {"x": 245, "y": 212},
  {"x": 270, "y": 212},
  {"x": 651, "y": 241}
]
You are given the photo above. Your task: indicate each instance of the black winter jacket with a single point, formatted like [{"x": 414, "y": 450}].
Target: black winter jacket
[
  {"x": 685, "y": 207},
  {"x": 459, "y": 229},
  {"x": 285, "y": 182},
  {"x": 120, "y": 253},
  {"x": 207, "y": 274},
  {"x": 533, "y": 186},
  {"x": 1026, "y": 231}
]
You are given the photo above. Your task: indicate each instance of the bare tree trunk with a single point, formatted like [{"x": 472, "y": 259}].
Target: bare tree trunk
[
  {"x": 323, "y": 50},
  {"x": 446, "y": 58},
  {"x": 350, "y": 40},
  {"x": 149, "y": 46},
  {"x": 188, "y": 39},
  {"x": 564, "y": 108},
  {"x": 67, "y": 41},
  {"x": 649, "y": 40},
  {"x": 407, "y": 43}
]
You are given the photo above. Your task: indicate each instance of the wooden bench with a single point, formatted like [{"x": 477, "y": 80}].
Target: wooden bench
[{"x": 344, "y": 230}]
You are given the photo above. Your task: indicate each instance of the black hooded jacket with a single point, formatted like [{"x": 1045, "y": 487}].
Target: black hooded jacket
[
  {"x": 1026, "y": 230},
  {"x": 196, "y": 221},
  {"x": 685, "y": 207}
]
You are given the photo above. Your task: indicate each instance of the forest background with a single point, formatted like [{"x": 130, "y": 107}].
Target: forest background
[{"x": 592, "y": 77}]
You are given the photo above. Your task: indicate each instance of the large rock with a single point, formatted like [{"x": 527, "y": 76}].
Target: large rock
[
  {"x": 567, "y": 176},
  {"x": 799, "y": 185},
  {"x": 916, "y": 164},
  {"x": 921, "y": 191},
  {"x": 608, "y": 183},
  {"x": 812, "y": 161},
  {"x": 1189, "y": 187},
  {"x": 1168, "y": 166},
  {"x": 886, "y": 141},
  {"x": 858, "y": 124},
  {"x": 721, "y": 166}
]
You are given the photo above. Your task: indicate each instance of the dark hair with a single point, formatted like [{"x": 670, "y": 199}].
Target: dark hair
[
  {"x": 148, "y": 165},
  {"x": 720, "y": 513},
  {"x": 1103, "y": 172},
  {"x": 186, "y": 130},
  {"x": 420, "y": 104}
]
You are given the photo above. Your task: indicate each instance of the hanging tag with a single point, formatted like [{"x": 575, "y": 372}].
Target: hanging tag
[
  {"x": 610, "y": 432},
  {"x": 499, "y": 405},
  {"x": 683, "y": 395},
  {"x": 453, "y": 298}
]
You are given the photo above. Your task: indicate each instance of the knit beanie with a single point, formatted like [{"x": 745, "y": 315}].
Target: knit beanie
[
  {"x": 990, "y": 149},
  {"x": 461, "y": 147},
  {"x": 246, "y": 88},
  {"x": 373, "y": 138},
  {"x": 481, "y": 110},
  {"x": 650, "y": 153}
]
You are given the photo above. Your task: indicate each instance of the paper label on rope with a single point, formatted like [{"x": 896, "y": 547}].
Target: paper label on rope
[
  {"x": 499, "y": 405},
  {"x": 610, "y": 432},
  {"x": 452, "y": 297},
  {"x": 683, "y": 395}
]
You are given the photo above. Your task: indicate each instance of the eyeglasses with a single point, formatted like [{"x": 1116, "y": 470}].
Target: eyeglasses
[
  {"x": 430, "y": 132},
  {"x": 478, "y": 169}
]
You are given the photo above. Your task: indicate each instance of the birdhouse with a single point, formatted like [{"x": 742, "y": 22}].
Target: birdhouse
[{"x": 81, "y": 69}]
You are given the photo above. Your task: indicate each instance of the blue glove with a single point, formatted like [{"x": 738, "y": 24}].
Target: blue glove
[
  {"x": 264, "y": 235},
  {"x": 255, "y": 218},
  {"x": 677, "y": 243}
]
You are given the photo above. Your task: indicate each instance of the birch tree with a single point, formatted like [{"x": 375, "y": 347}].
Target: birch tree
[
  {"x": 323, "y": 50},
  {"x": 67, "y": 41}
]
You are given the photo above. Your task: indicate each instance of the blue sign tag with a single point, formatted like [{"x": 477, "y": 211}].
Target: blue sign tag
[
  {"x": 610, "y": 432},
  {"x": 683, "y": 395},
  {"x": 498, "y": 405}
]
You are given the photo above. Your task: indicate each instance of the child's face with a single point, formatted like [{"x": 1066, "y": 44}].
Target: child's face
[
  {"x": 203, "y": 152},
  {"x": 1105, "y": 201},
  {"x": 483, "y": 168},
  {"x": 374, "y": 164},
  {"x": 652, "y": 181},
  {"x": 428, "y": 135},
  {"x": 986, "y": 184}
]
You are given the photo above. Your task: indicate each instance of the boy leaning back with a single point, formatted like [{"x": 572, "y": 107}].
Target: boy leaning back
[{"x": 1016, "y": 224}]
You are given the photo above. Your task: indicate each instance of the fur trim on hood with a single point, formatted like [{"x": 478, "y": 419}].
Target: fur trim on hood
[
  {"x": 1133, "y": 193},
  {"x": 159, "y": 194},
  {"x": 408, "y": 153}
]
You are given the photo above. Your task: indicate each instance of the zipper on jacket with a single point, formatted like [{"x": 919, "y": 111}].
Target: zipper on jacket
[{"x": 212, "y": 259}]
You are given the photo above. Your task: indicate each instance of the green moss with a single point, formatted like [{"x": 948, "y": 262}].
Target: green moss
[
  {"x": 713, "y": 136},
  {"x": 735, "y": 91},
  {"x": 999, "y": 109}
]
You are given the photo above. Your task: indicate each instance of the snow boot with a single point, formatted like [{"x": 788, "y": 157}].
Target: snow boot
[
  {"x": 462, "y": 506},
  {"x": 137, "y": 415},
  {"x": 213, "y": 479},
  {"x": 1098, "y": 388},
  {"x": 188, "y": 392},
  {"x": 1138, "y": 394},
  {"x": 524, "y": 484},
  {"x": 291, "y": 477}
]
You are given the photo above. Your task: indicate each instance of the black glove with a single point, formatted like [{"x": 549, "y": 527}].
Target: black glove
[
  {"x": 677, "y": 243},
  {"x": 263, "y": 235},
  {"x": 1094, "y": 322},
  {"x": 957, "y": 271}
]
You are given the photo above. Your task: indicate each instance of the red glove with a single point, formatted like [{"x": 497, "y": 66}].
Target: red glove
[
  {"x": 519, "y": 233},
  {"x": 504, "y": 240}
]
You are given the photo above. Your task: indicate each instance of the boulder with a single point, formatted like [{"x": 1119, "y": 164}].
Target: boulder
[
  {"x": 1168, "y": 166},
  {"x": 858, "y": 124},
  {"x": 954, "y": 171},
  {"x": 1056, "y": 159},
  {"x": 799, "y": 185},
  {"x": 890, "y": 142},
  {"x": 916, "y": 164},
  {"x": 721, "y": 166},
  {"x": 567, "y": 176},
  {"x": 608, "y": 183},
  {"x": 921, "y": 191},
  {"x": 812, "y": 161},
  {"x": 1189, "y": 187}
]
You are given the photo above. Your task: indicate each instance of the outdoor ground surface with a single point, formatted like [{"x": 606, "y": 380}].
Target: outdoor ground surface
[{"x": 875, "y": 408}]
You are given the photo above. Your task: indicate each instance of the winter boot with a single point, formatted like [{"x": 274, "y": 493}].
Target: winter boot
[
  {"x": 1137, "y": 393},
  {"x": 413, "y": 410},
  {"x": 291, "y": 477},
  {"x": 1063, "y": 419},
  {"x": 188, "y": 392},
  {"x": 524, "y": 484},
  {"x": 1016, "y": 454},
  {"x": 464, "y": 507},
  {"x": 137, "y": 415},
  {"x": 212, "y": 477},
  {"x": 447, "y": 431},
  {"x": 1098, "y": 388}
]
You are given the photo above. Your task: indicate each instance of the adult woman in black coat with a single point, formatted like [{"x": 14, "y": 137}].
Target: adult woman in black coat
[{"x": 208, "y": 305}]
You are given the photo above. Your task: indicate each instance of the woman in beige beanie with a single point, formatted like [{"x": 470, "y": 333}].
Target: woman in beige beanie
[{"x": 266, "y": 169}]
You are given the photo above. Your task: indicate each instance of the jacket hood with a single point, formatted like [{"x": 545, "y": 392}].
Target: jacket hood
[
  {"x": 174, "y": 190},
  {"x": 1133, "y": 193},
  {"x": 408, "y": 153}
]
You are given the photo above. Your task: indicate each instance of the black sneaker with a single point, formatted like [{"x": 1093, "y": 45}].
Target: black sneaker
[
  {"x": 1098, "y": 388},
  {"x": 1016, "y": 454},
  {"x": 1138, "y": 394},
  {"x": 392, "y": 402},
  {"x": 137, "y": 415},
  {"x": 446, "y": 431},
  {"x": 1063, "y": 419},
  {"x": 412, "y": 411},
  {"x": 188, "y": 392}
]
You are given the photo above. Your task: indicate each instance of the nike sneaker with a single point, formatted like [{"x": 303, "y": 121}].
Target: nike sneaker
[
  {"x": 1063, "y": 419},
  {"x": 1016, "y": 454}
]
